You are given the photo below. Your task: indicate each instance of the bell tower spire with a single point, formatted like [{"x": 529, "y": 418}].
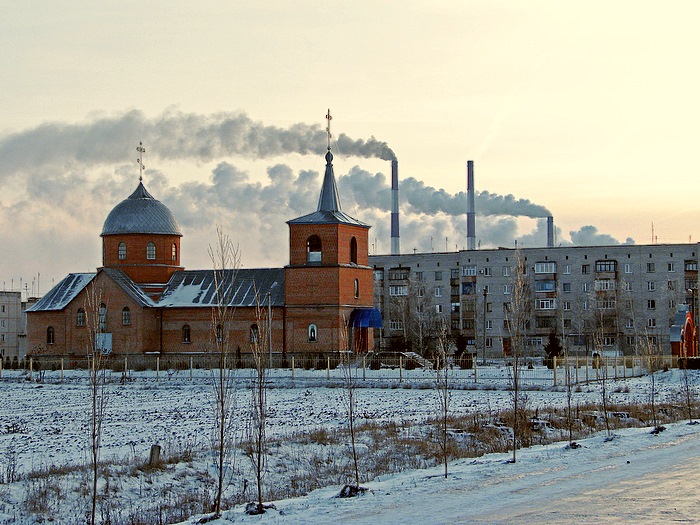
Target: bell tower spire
[{"x": 329, "y": 200}]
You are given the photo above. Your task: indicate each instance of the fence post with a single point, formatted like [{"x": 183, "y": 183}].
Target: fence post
[
  {"x": 31, "y": 368},
  {"x": 1, "y": 363},
  {"x": 400, "y": 368},
  {"x": 328, "y": 367},
  {"x": 157, "y": 367},
  {"x": 554, "y": 369},
  {"x": 576, "y": 370},
  {"x": 292, "y": 368},
  {"x": 475, "y": 372},
  {"x": 364, "y": 366}
]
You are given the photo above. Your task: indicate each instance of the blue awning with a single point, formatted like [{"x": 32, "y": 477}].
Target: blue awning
[{"x": 366, "y": 318}]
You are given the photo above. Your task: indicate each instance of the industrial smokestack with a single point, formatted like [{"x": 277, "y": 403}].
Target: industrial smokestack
[
  {"x": 395, "y": 245},
  {"x": 550, "y": 231},
  {"x": 471, "y": 228}
]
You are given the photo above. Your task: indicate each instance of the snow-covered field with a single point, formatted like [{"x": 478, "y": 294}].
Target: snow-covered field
[{"x": 46, "y": 424}]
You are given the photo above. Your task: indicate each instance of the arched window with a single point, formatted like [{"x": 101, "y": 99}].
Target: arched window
[
  {"x": 150, "y": 251},
  {"x": 219, "y": 334},
  {"x": 357, "y": 288},
  {"x": 174, "y": 252},
  {"x": 313, "y": 249},
  {"x": 313, "y": 333},
  {"x": 254, "y": 334},
  {"x": 186, "y": 334},
  {"x": 121, "y": 251},
  {"x": 50, "y": 335},
  {"x": 102, "y": 318},
  {"x": 80, "y": 317},
  {"x": 126, "y": 315},
  {"x": 353, "y": 250}
]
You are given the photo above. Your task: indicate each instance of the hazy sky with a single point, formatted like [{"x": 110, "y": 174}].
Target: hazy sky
[{"x": 587, "y": 110}]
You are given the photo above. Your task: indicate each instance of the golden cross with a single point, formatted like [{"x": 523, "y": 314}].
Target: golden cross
[{"x": 141, "y": 151}]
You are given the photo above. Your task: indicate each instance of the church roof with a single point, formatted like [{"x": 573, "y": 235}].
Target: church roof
[
  {"x": 241, "y": 288},
  {"x": 141, "y": 213},
  {"x": 328, "y": 211},
  {"x": 63, "y": 293}
]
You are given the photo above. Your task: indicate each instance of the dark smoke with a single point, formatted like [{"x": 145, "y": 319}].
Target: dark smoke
[{"x": 173, "y": 135}]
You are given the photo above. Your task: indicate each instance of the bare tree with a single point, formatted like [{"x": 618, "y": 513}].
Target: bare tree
[
  {"x": 258, "y": 413},
  {"x": 688, "y": 392},
  {"x": 443, "y": 392},
  {"x": 518, "y": 316},
  {"x": 599, "y": 321},
  {"x": 415, "y": 313},
  {"x": 225, "y": 258},
  {"x": 350, "y": 383},
  {"x": 96, "y": 324}
]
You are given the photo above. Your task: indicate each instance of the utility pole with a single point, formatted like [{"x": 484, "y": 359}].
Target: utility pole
[
  {"x": 269, "y": 324},
  {"x": 486, "y": 293}
]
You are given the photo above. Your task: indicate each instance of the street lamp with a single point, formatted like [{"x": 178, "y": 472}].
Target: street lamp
[{"x": 486, "y": 292}]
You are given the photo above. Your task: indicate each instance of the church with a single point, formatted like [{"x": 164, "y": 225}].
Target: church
[{"x": 143, "y": 300}]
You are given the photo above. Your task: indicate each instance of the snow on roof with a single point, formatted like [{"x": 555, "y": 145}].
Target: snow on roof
[
  {"x": 245, "y": 287},
  {"x": 63, "y": 293},
  {"x": 130, "y": 287}
]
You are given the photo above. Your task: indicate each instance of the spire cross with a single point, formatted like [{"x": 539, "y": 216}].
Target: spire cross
[
  {"x": 328, "y": 128},
  {"x": 141, "y": 151}
]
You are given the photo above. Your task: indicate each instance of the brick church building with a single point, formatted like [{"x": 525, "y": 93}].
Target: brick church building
[{"x": 143, "y": 301}]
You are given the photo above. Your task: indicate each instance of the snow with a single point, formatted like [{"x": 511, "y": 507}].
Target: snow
[{"x": 635, "y": 477}]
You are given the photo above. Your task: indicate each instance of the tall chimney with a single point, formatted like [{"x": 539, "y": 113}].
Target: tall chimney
[
  {"x": 395, "y": 245},
  {"x": 550, "y": 231},
  {"x": 471, "y": 229}
]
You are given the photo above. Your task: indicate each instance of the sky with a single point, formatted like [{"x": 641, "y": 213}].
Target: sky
[{"x": 583, "y": 110}]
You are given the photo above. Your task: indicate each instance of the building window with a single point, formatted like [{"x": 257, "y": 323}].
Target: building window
[
  {"x": 651, "y": 268},
  {"x": 672, "y": 285},
  {"x": 469, "y": 270},
  {"x": 126, "y": 315},
  {"x": 605, "y": 304},
  {"x": 50, "y": 334},
  {"x": 545, "y": 304},
  {"x": 219, "y": 334},
  {"x": 487, "y": 271},
  {"x": 651, "y": 286},
  {"x": 421, "y": 292},
  {"x": 174, "y": 252},
  {"x": 651, "y": 323},
  {"x": 585, "y": 287},
  {"x": 398, "y": 274},
  {"x": 378, "y": 275},
  {"x": 438, "y": 308},
  {"x": 419, "y": 276},
  {"x": 585, "y": 268},
  {"x": 628, "y": 267},
  {"x": 608, "y": 340},
  {"x": 455, "y": 308},
  {"x": 545, "y": 286},
  {"x": 186, "y": 334},
  {"x": 353, "y": 250},
  {"x": 602, "y": 285},
  {"x": 691, "y": 266},
  {"x": 396, "y": 325},
  {"x": 651, "y": 304},
  {"x": 438, "y": 291},
  {"x": 313, "y": 249},
  {"x": 605, "y": 266},
  {"x": 254, "y": 334},
  {"x": 489, "y": 307},
  {"x": 121, "y": 251},
  {"x": 546, "y": 267},
  {"x": 672, "y": 267},
  {"x": 567, "y": 269},
  {"x": 150, "y": 251},
  {"x": 438, "y": 275},
  {"x": 489, "y": 342},
  {"x": 102, "y": 318},
  {"x": 567, "y": 305},
  {"x": 313, "y": 333},
  {"x": 566, "y": 287},
  {"x": 506, "y": 290},
  {"x": 357, "y": 288},
  {"x": 506, "y": 271},
  {"x": 399, "y": 290},
  {"x": 80, "y": 317},
  {"x": 489, "y": 324}
]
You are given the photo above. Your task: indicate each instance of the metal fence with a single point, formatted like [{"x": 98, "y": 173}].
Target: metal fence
[{"x": 331, "y": 369}]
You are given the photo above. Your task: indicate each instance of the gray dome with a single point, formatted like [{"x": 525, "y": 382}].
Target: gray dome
[{"x": 141, "y": 213}]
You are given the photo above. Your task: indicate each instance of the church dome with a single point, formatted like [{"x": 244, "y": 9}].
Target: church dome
[{"x": 141, "y": 213}]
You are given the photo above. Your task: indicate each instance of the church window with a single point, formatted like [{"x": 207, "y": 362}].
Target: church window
[
  {"x": 102, "y": 317},
  {"x": 174, "y": 252},
  {"x": 313, "y": 333},
  {"x": 254, "y": 334},
  {"x": 50, "y": 335},
  {"x": 313, "y": 249},
  {"x": 121, "y": 251},
  {"x": 353, "y": 251},
  {"x": 186, "y": 334},
  {"x": 357, "y": 288},
  {"x": 150, "y": 251},
  {"x": 126, "y": 315},
  {"x": 80, "y": 317}
]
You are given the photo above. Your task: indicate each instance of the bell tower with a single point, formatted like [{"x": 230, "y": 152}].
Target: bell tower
[{"x": 328, "y": 282}]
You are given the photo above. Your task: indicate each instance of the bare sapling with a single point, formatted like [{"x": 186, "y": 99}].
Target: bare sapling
[
  {"x": 225, "y": 258},
  {"x": 96, "y": 324},
  {"x": 442, "y": 387},
  {"x": 258, "y": 409},
  {"x": 350, "y": 384},
  {"x": 688, "y": 393}
]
